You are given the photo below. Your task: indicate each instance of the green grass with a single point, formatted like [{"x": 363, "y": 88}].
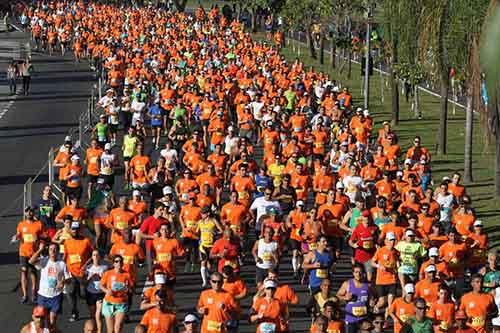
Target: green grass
[{"x": 481, "y": 190}]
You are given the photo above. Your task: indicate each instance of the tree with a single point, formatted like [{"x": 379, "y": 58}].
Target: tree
[
  {"x": 490, "y": 61},
  {"x": 180, "y": 5}
]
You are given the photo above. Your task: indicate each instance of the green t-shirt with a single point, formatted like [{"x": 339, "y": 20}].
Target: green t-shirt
[
  {"x": 414, "y": 326},
  {"x": 491, "y": 280},
  {"x": 409, "y": 254},
  {"x": 290, "y": 98},
  {"x": 129, "y": 144},
  {"x": 101, "y": 130}
]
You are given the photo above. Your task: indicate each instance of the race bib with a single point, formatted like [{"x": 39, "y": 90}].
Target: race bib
[
  {"x": 29, "y": 238},
  {"x": 51, "y": 282},
  {"x": 231, "y": 263},
  {"x": 243, "y": 195},
  {"x": 97, "y": 285},
  {"x": 235, "y": 228},
  {"x": 93, "y": 160},
  {"x": 267, "y": 256},
  {"x": 214, "y": 326},
  {"x": 128, "y": 260},
  {"x": 190, "y": 224},
  {"x": 359, "y": 311},
  {"x": 404, "y": 317},
  {"x": 322, "y": 273},
  {"x": 477, "y": 322},
  {"x": 313, "y": 246},
  {"x": 207, "y": 237},
  {"x": 267, "y": 327},
  {"x": 162, "y": 257},
  {"x": 74, "y": 259},
  {"x": 121, "y": 225},
  {"x": 367, "y": 245},
  {"x": 117, "y": 286}
]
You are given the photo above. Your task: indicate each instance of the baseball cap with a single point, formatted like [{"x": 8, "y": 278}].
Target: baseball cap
[
  {"x": 167, "y": 190},
  {"x": 478, "y": 223},
  {"x": 107, "y": 146},
  {"x": 300, "y": 203},
  {"x": 399, "y": 173},
  {"x": 390, "y": 236},
  {"x": 67, "y": 139},
  {"x": 230, "y": 128},
  {"x": 339, "y": 185},
  {"x": 160, "y": 279},
  {"x": 409, "y": 288},
  {"x": 366, "y": 112},
  {"x": 409, "y": 232},
  {"x": 430, "y": 268},
  {"x": 75, "y": 158},
  {"x": 75, "y": 225},
  {"x": 191, "y": 318},
  {"x": 39, "y": 311},
  {"x": 268, "y": 283},
  {"x": 407, "y": 161},
  {"x": 205, "y": 210},
  {"x": 136, "y": 193},
  {"x": 433, "y": 252}
]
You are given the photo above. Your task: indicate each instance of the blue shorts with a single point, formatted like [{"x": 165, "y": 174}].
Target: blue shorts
[
  {"x": 52, "y": 304},
  {"x": 110, "y": 309}
]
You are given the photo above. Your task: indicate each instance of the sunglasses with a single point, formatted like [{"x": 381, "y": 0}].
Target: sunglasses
[
  {"x": 117, "y": 261},
  {"x": 189, "y": 322},
  {"x": 421, "y": 308},
  {"x": 378, "y": 322},
  {"x": 216, "y": 281}
]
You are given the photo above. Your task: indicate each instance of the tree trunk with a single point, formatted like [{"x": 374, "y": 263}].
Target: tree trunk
[
  {"x": 180, "y": 5},
  {"x": 333, "y": 57},
  {"x": 322, "y": 50},
  {"x": 469, "y": 121},
  {"x": 394, "y": 87},
  {"x": 310, "y": 43},
  {"x": 443, "y": 117},
  {"x": 349, "y": 50},
  {"x": 418, "y": 112},
  {"x": 253, "y": 12}
]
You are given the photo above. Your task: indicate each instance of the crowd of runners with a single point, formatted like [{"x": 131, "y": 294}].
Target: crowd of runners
[{"x": 254, "y": 161}]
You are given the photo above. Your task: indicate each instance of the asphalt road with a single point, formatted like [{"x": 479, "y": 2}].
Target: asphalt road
[{"x": 28, "y": 129}]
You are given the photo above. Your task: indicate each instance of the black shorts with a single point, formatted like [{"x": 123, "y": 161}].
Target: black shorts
[
  {"x": 205, "y": 253},
  {"x": 113, "y": 128},
  {"x": 24, "y": 263},
  {"x": 385, "y": 289},
  {"x": 260, "y": 274},
  {"x": 108, "y": 180},
  {"x": 127, "y": 158},
  {"x": 190, "y": 243},
  {"x": 75, "y": 192},
  {"x": 92, "y": 298},
  {"x": 205, "y": 123},
  {"x": 93, "y": 179},
  {"x": 170, "y": 283},
  {"x": 295, "y": 244},
  {"x": 156, "y": 126}
]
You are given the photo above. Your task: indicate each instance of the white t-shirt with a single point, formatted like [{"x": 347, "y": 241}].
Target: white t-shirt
[
  {"x": 51, "y": 272},
  {"x": 261, "y": 205},
  {"x": 93, "y": 286},
  {"x": 265, "y": 251},
  {"x": 230, "y": 144}
]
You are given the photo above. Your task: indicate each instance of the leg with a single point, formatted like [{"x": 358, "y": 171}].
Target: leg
[
  {"x": 119, "y": 319},
  {"x": 24, "y": 283},
  {"x": 110, "y": 323},
  {"x": 98, "y": 318}
]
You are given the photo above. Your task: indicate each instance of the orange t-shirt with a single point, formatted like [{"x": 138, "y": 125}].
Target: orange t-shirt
[
  {"x": 165, "y": 252},
  {"x": 78, "y": 214},
  {"x": 476, "y": 307},
  {"x": 76, "y": 253},
  {"x": 402, "y": 310},
  {"x": 92, "y": 160},
  {"x": 270, "y": 311},
  {"x": 386, "y": 258},
  {"x": 29, "y": 233},
  {"x": 120, "y": 285},
  {"x": 427, "y": 290},
  {"x": 454, "y": 255},
  {"x": 130, "y": 252},
  {"x": 218, "y": 306},
  {"x": 190, "y": 215},
  {"x": 442, "y": 312},
  {"x": 159, "y": 322},
  {"x": 139, "y": 164}
]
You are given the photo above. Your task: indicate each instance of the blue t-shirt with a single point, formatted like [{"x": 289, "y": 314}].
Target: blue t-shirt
[
  {"x": 156, "y": 114},
  {"x": 261, "y": 182}
]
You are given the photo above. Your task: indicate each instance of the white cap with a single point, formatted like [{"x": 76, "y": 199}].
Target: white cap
[
  {"x": 107, "y": 146},
  {"x": 433, "y": 252},
  {"x": 167, "y": 190},
  {"x": 446, "y": 178},
  {"x": 339, "y": 185},
  {"x": 399, "y": 173},
  {"x": 75, "y": 158},
  {"x": 75, "y": 225},
  {"x": 230, "y": 128},
  {"x": 67, "y": 139},
  {"x": 191, "y": 318},
  {"x": 109, "y": 90},
  {"x": 407, "y": 161},
  {"x": 358, "y": 109},
  {"x": 478, "y": 223},
  {"x": 344, "y": 143},
  {"x": 136, "y": 193},
  {"x": 366, "y": 112},
  {"x": 409, "y": 232},
  {"x": 300, "y": 203},
  {"x": 409, "y": 288},
  {"x": 268, "y": 283},
  {"x": 430, "y": 268},
  {"x": 390, "y": 236},
  {"x": 160, "y": 279}
]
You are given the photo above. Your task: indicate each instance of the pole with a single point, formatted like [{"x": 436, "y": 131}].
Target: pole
[
  {"x": 100, "y": 88},
  {"x": 51, "y": 171},
  {"x": 367, "y": 61},
  {"x": 28, "y": 197},
  {"x": 89, "y": 114}
]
